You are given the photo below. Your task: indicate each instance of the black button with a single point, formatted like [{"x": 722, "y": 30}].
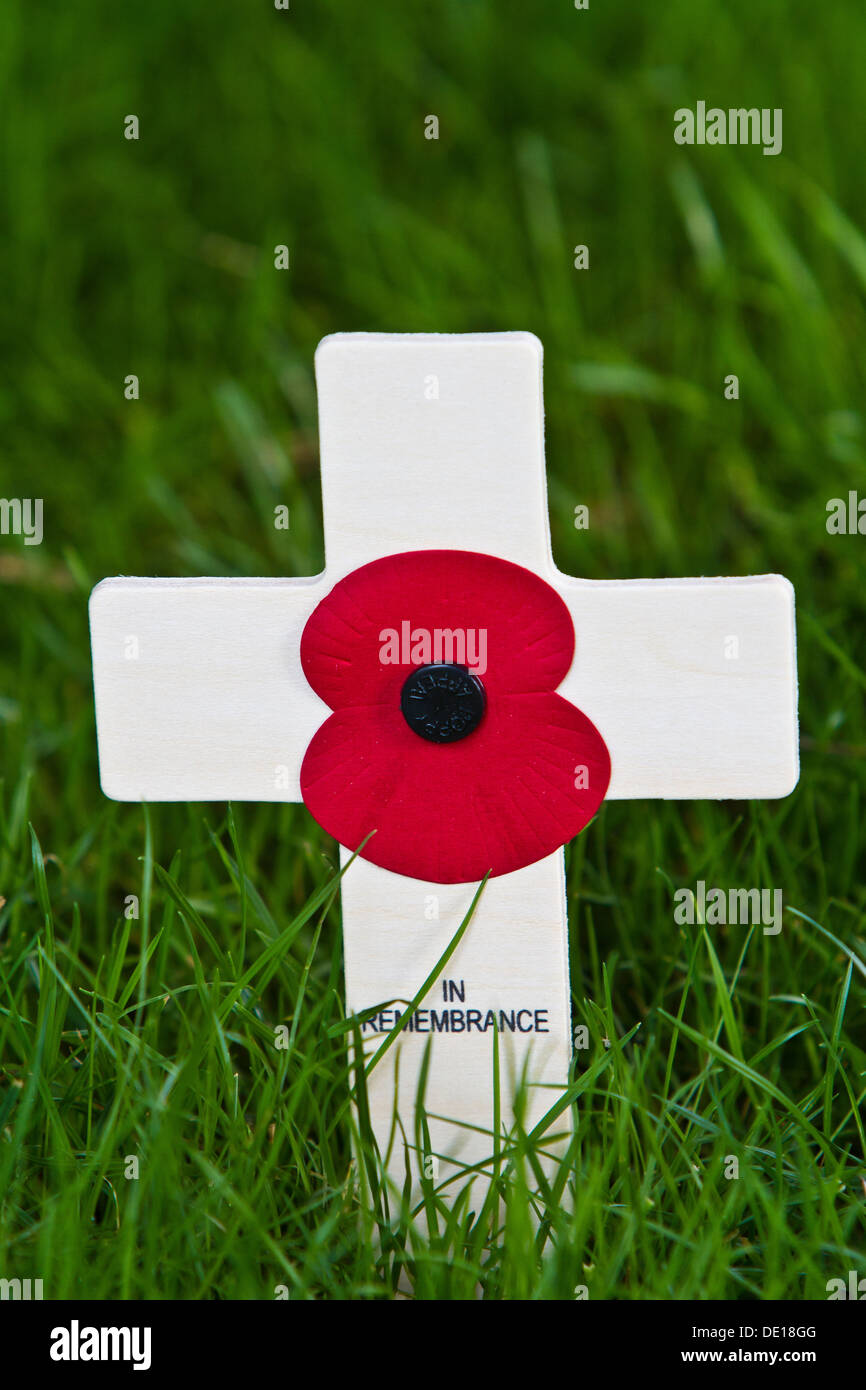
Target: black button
[{"x": 442, "y": 703}]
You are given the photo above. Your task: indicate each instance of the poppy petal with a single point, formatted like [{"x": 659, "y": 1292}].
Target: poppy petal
[
  {"x": 411, "y": 609},
  {"x": 527, "y": 780}
]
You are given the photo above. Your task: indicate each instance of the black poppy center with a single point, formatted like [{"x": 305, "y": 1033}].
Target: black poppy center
[{"x": 442, "y": 703}]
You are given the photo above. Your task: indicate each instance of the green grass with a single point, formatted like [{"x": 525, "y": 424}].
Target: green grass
[{"x": 154, "y": 1036}]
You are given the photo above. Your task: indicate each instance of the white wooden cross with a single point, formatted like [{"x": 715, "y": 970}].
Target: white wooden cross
[{"x": 436, "y": 441}]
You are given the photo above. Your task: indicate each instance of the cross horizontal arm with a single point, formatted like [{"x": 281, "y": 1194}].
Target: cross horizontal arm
[
  {"x": 436, "y": 440},
  {"x": 692, "y": 683},
  {"x": 200, "y": 695},
  {"x": 199, "y": 690}
]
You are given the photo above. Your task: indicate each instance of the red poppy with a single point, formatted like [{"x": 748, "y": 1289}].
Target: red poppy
[{"x": 446, "y": 738}]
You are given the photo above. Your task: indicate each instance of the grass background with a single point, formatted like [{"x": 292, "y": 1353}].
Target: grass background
[{"x": 153, "y": 1037}]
